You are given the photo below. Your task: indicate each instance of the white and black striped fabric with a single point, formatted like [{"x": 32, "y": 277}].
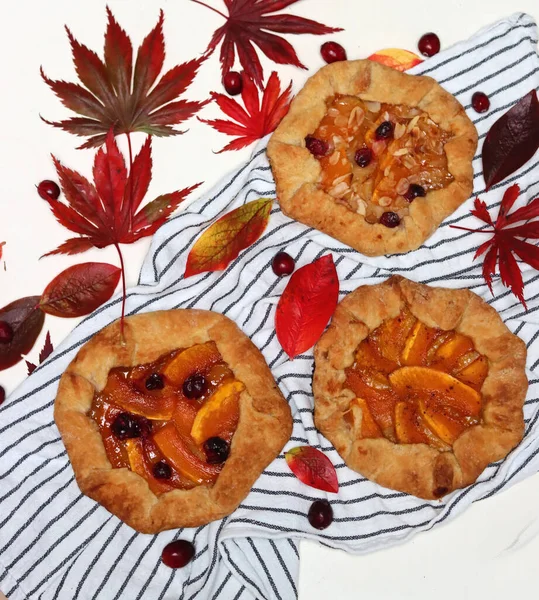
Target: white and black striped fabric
[{"x": 56, "y": 544}]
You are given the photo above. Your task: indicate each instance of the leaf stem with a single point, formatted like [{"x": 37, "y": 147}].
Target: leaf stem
[
  {"x": 472, "y": 230},
  {"x": 130, "y": 180},
  {"x": 124, "y": 291},
  {"x": 211, "y": 8}
]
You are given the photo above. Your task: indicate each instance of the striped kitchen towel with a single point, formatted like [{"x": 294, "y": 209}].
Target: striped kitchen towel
[{"x": 57, "y": 544}]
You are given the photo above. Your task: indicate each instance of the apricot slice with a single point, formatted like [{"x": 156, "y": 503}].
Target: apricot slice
[
  {"x": 104, "y": 415},
  {"x": 418, "y": 343},
  {"x": 391, "y": 336},
  {"x": 197, "y": 359},
  {"x": 367, "y": 356},
  {"x": 139, "y": 465},
  {"x": 119, "y": 392},
  {"x": 446, "y": 422},
  {"x": 437, "y": 385},
  {"x": 369, "y": 427},
  {"x": 180, "y": 453},
  {"x": 448, "y": 354},
  {"x": 219, "y": 415},
  {"x": 184, "y": 415},
  {"x": 474, "y": 374},
  {"x": 408, "y": 426}
]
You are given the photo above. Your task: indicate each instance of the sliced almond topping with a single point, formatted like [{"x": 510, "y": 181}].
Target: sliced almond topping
[
  {"x": 341, "y": 179},
  {"x": 373, "y": 106},
  {"x": 400, "y": 130},
  {"x": 385, "y": 201},
  {"x": 334, "y": 158},
  {"x": 412, "y": 124},
  {"x": 409, "y": 162},
  {"x": 333, "y": 112},
  {"x": 401, "y": 152},
  {"x": 402, "y": 186},
  {"x": 341, "y": 121},
  {"x": 387, "y": 171},
  {"x": 361, "y": 207},
  {"x": 338, "y": 191}
]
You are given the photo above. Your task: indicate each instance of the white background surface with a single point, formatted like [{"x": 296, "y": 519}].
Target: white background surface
[{"x": 489, "y": 552}]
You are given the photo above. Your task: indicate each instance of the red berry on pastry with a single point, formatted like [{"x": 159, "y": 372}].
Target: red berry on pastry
[
  {"x": 162, "y": 470},
  {"x": 390, "y": 219},
  {"x": 385, "y": 130},
  {"x": 126, "y": 426},
  {"x": 155, "y": 382},
  {"x": 217, "y": 450},
  {"x": 318, "y": 148},
  {"x": 363, "y": 157},
  {"x": 415, "y": 191}
]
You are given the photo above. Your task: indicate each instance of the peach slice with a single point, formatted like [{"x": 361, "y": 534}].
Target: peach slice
[
  {"x": 219, "y": 415},
  {"x": 474, "y": 374},
  {"x": 139, "y": 465},
  {"x": 392, "y": 334},
  {"x": 104, "y": 415},
  {"x": 152, "y": 406},
  {"x": 184, "y": 415},
  {"x": 408, "y": 426},
  {"x": 448, "y": 354},
  {"x": 418, "y": 343},
  {"x": 446, "y": 422},
  {"x": 197, "y": 359},
  {"x": 369, "y": 427},
  {"x": 179, "y": 452},
  {"x": 367, "y": 356},
  {"x": 437, "y": 385}
]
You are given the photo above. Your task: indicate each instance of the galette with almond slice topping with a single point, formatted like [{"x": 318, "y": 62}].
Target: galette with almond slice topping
[{"x": 170, "y": 424}]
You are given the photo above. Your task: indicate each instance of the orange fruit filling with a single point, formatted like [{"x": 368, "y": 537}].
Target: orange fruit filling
[
  {"x": 172, "y": 420},
  {"x": 401, "y": 155},
  {"x": 415, "y": 384}
]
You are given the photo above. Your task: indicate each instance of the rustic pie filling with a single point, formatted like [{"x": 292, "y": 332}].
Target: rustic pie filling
[
  {"x": 377, "y": 158},
  {"x": 172, "y": 420}
]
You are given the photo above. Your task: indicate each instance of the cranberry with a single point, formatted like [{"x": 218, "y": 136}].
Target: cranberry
[
  {"x": 48, "y": 190},
  {"x": 332, "y": 52},
  {"x": 480, "y": 102},
  {"x": 6, "y": 332},
  {"x": 216, "y": 450},
  {"x": 363, "y": 157},
  {"x": 283, "y": 264},
  {"x": 178, "y": 554},
  {"x": 126, "y": 426},
  {"x": 233, "y": 83},
  {"x": 318, "y": 148},
  {"x": 320, "y": 514},
  {"x": 155, "y": 382},
  {"x": 415, "y": 191},
  {"x": 2, "y": 394},
  {"x": 390, "y": 219},
  {"x": 385, "y": 130},
  {"x": 194, "y": 386},
  {"x": 429, "y": 44},
  {"x": 162, "y": 470}
]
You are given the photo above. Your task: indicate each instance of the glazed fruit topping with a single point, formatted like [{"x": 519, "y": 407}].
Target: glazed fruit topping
[
  {"x": 363, "y": 157},
  {"x": 162, "y": 470},
  {"x": 390, "y": 219},
  {"x": 384, "y": 130},
  {"x": 415, "y": 191},
  {"x": 320, "y": 514},
  {"x": 480, "y": 102},
  {"x": 318, "y": 148},
  {"x": 216, "y": 450},
  {"x": 283, "y": 264},
  {"x": 429, "y": 44},
  {"x": 6, "y": 332},
  {"x": 155, "y": 382},
  {"x": 332, "y": 52},
  {"x": 126, "y": 426},
  {"x": 178, "y": 554},
  {"x": 233, "y": 83},
  {"x": 48, "y": 190},
  {"x": 194, "y": 386}
]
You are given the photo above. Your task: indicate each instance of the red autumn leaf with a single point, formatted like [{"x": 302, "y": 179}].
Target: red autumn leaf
[
  {"x": 2, "y": 244},
  {"x": 306, "y": 305},
  {"x": 396, "y": 58},
  {"x": 248, "y": 24},
  {"x": 313, "y": 468},
  {"x": 222, "y": 242},
  {"x": 255, "y": 120},
  {"x": 26, "y": 321},
  {"x": 505, "y": 243},
  {"x": 80, "y": 289},
  {"x": 512, "y": 140},
  {"x": 124, "y": 95},
  {"x": 46, "y": 351}
]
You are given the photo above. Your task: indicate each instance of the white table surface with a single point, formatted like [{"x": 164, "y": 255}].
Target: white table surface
[{"x": 492, "y": 550}]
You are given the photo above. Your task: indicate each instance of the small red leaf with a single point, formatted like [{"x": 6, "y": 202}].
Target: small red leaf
[
  {"x": 26, "y": 321},
  {"x": 313, "y": 468},
  {"x": 512, "y": 140},
  {"x": 47, "y": 349},
  {"x": 509, "y": 198},
  {"x": 30, "y": 367},
  {"x": 222, "y": 242},
  {"x": 80, "y": 289},
  {"x": 481, "y": 212},
  {"x": 306, "y": 305}
]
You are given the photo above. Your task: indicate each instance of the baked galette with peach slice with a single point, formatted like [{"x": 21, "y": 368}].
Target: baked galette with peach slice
[
  {"x": 374, "y": 157},
  {"x": 419, "y": 388},
  {"x": 170, "y": 424}
]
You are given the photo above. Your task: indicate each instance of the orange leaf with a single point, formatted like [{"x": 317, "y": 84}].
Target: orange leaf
[
  {"x": 222, "y": 242},
  {"x": 396, "y": 58},
  {"x": 312, "y": 468}
]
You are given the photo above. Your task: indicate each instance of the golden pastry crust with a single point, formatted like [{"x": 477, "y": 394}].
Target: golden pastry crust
[
  {"x": 264, "y": 427},
  {"x": 297, "y": 172},
  {"x": 419, "y": 469}
]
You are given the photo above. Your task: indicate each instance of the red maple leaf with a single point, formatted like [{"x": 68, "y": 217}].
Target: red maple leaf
[
  {"x": 505, "y": 243},
  {"x": 255, "y": 120},
  {"x": 108, "y": 212},
  {"x": 248, "y": 23},
  {"x": 122, "y": 94},
  {"x": 46, "y": 351}
]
